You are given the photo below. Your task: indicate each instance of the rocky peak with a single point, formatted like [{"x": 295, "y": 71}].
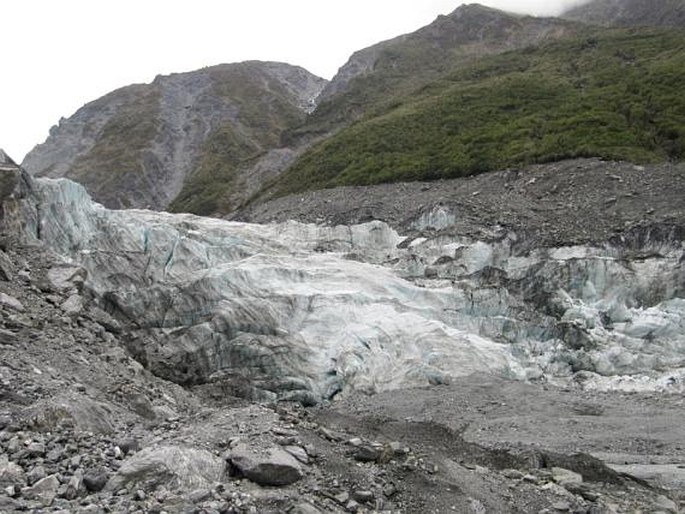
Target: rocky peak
[
  {"x": 476, "y": 10},
  {"x": 6, "y": 161},
  {"x": 143, "y": 145},
  {"x": 470, "y": 30}
]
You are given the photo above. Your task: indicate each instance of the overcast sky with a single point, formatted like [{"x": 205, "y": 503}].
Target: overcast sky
[{"x": 60, "y": 54}]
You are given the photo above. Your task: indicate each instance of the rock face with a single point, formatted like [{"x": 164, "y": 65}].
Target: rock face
[
  {"x": 306, "y": 312},
  {"x": 630, "y": 13},
  {"x": 144, "y": 145}
]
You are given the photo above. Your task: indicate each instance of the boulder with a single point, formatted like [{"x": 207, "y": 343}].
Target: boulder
[
  {"x": 10, "y": 473},
  {"x": 45, "y": 490},
  {"x": 173, "y": 467},
  {"x": 73, "y": 305},
  {"x": 272, "y": 466},
  {"x": 565, "y": 477},
  {"x": 95, "y": 480},
  {"x": 11, "y": 302},
  {"x": 64, "y": 278}
]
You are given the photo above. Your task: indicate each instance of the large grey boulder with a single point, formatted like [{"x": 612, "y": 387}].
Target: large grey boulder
[
  {"x": 75, "y": 410},
  {"x": 174, "y": 467},
  {"x": 270, "y": 466}
]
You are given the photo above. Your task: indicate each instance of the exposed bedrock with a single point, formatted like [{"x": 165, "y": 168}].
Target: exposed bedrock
[{"x": 305, "y": 312}]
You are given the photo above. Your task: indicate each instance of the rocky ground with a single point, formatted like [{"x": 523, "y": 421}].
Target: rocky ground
[
  {"x": 86, "y": 428},
  {"x": 569, "y": 202}
]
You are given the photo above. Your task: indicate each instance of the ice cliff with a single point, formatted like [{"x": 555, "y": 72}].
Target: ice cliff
[{"x": 307, "y": 312}]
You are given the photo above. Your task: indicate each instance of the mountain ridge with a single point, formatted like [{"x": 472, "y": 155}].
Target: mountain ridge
[
  {"x": 139, "y": 146},
  {"x": 629, "y": 13}
]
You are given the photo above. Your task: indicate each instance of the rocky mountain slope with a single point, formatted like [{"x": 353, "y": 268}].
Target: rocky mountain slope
[
  {"x": 127, "y": 335},
  {"x": 181, "y": 141},
  {"x": 630, "y": 13}
]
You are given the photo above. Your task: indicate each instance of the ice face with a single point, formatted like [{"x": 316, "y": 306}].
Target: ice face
[{"x": 306, "y": 312}]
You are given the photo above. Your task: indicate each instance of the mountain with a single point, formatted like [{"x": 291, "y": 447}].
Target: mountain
[
  {"x": 178, "y": 142},
  {"x": 630, "y": 13},
  {"x": 206, "y": 141},
  {"x": 610, "y": 93},
  {"x": 375, "y": 76}
]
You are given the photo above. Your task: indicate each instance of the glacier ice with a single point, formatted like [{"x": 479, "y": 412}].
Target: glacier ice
[{"x": 306, "y": 312}]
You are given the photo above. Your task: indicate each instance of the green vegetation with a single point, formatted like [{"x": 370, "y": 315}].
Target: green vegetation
[
  {"x": 616, "y": 94},
  {"x": 205, "y": 190}
]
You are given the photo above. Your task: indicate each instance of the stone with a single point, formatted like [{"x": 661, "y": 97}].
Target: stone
[
  {"x": 298, "y": 452},
  {"x": 73, "y": 305},
  {"x": 342, "y": 497},
  {"x": 330, "y": 435},
  {"x": 200, "y": 495},
  {"x": 514, "y": 474},
  {"x": 10, "y": 177},
  {"x": 75, "y": 486},
  {"x": 6, "y": 267},
  {"x": 562, "y": 506},
  {"x": 363, "y": 496},
  {"x": 11, "y": 473},
  {"x": 664, "y": 503},
  {"x": 9, "y": 504},
  {"x": 176, "y": 467},
  {"x": 398, "y": 448},
  {"x": 11, "y": 302},
  {"x": 367, "y": 453},
  {"x": 45, "y": 490},
  {"x": 35, "y": 474},
  {"x": 272, "y": 466},
  {"x": 55, "y": 455},
  {"x": 65, "y": 278},
  {"x": 565, "y": 476},
  {"x": 36, "y": 450},
  {"x": 352, "y": 506},
  {"x": 389, "y": 490},
  {"x": 95, "y": 480}
]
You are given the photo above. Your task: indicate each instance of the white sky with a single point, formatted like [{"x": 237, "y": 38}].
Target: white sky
[{"x": 60, "y": 54}]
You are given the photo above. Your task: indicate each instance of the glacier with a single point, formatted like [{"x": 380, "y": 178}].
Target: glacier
[{"x": 307, "y": 312}]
